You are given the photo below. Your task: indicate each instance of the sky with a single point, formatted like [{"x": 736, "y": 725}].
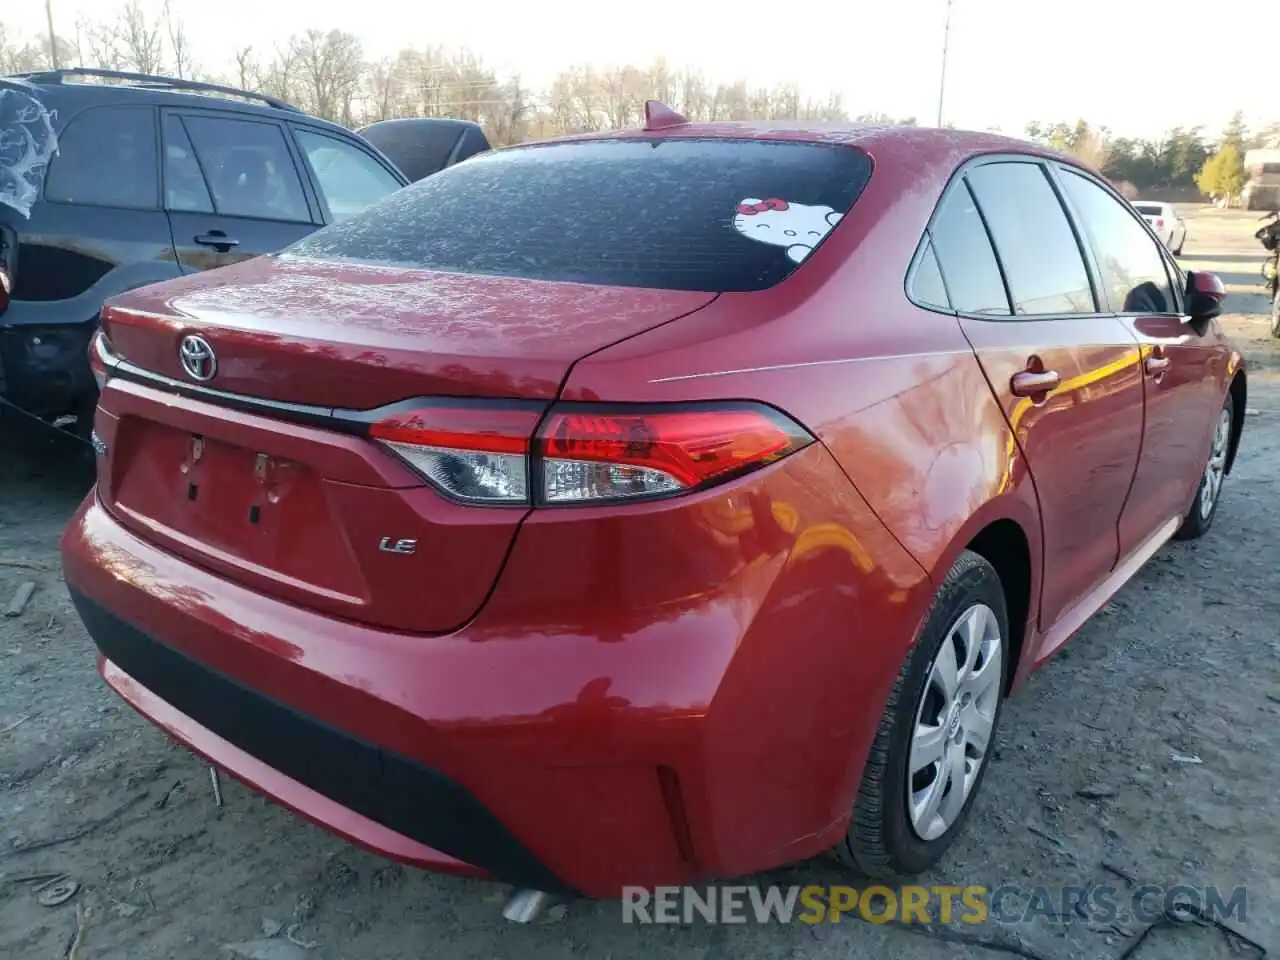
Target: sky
[{"x": 1138, "y": 67}]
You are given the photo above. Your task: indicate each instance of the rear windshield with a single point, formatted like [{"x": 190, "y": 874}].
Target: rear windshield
[
  {"x": 706, "y": 215},
  {"x": 1148, "y": 210}
]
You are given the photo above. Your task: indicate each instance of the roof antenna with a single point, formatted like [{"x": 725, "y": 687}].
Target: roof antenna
[{"x": 658, "y": 116}]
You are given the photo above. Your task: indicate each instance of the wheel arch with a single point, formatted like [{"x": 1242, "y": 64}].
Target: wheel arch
[
  {"x": 1006, "y": 532},
  {"x": 1239, "y": 391},
  {"x": 1005, "y": 546}
]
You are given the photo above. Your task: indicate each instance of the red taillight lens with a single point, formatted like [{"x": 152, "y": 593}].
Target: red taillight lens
[
  {"x": 481, "y": 453},
  {"x": 600, "y": 454},
  {"x": 101, "y": 359},
  {"x": 477, "y": 453},
  {"x": 1159, "y": 223}
]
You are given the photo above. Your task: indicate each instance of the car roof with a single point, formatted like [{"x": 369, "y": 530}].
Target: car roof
[
  {"x": 879, "y": 139},
  {"x": 60, "y": 91}
]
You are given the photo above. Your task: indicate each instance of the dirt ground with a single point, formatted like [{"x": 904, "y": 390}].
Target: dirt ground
[{"x": 1184, "y": 661}]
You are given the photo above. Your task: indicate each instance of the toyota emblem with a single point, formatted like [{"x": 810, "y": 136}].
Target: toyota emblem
[{"x": 197, "y": 358}]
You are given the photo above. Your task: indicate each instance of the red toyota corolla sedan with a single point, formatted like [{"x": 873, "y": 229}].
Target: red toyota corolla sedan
[{"x": 653, "y": 506}]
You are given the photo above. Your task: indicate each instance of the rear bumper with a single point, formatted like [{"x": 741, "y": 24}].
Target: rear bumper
[
  {"x": 717, "y": 733},
  {"x": 388, "y": 803}
]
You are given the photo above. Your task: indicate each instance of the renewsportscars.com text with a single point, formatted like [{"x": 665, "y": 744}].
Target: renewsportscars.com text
[{"x": 972, "y": 904}]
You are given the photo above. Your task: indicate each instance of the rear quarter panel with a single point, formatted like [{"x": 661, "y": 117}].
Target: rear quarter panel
[{"x": 892, "y": 390}]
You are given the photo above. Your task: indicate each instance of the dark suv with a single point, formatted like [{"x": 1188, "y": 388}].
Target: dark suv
[{"x": 108, "y": 186}]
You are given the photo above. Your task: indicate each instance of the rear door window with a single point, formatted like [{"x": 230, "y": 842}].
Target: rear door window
[
  {"x": 965, "y": 258},
  {"x": 680, "y": 214},
  {"x": 349, "y": 178},
  {"x": 1132, "y": 267},
  {"x": 248, "y": 167},
  {"x": 184, "y": 186},
  {"x": 107, "y": 158},
  {"x": 1033, "y": 238}
]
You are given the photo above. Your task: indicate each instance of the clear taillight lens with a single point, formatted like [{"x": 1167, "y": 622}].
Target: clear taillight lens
[
  {"x": 471, "y": 475},
  {"x": 476, "y": 453},
  {"x": 481, "y": 453}
]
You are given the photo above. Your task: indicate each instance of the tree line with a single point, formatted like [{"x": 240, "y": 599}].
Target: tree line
[
  {"x": 1183, "y": 158},
  {"x": 327, "y": 73}
]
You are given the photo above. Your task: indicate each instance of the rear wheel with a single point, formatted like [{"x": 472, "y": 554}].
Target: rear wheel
[
  {"x": 931, "y": 749},
  {"x": 1200, "y": 517},
  {"x": 1181, "y": 243}
]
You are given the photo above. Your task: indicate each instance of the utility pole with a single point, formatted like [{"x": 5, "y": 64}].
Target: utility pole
[
  {"x": 942, "y": 82},
  {"x": 53, "y": 39}
]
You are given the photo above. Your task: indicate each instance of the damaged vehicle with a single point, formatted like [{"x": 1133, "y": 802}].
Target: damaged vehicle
[
  {"x": 648, "y": 507},
  {"x": 110, "y": 181}
]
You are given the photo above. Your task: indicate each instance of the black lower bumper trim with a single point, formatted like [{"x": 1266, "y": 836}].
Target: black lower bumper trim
[{"x": 389, "y": 789}]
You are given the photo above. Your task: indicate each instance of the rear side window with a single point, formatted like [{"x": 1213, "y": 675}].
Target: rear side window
[
  {"x": 965, "y": 257},
  {"x": 107, "y": 158},
  {"x": 1037, "y": 247},
  {"x": 927, "y": 287},
  {"x": 349, "y": 178},
  {"x": 249, "y": 168},
  {"x": 184, "y": 186},
  {"x": 1131, "y": 264},
  {"x": 707, "y": 215}
]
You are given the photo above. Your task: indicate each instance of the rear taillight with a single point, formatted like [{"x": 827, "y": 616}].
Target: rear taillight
[
  {"x": 474, "y": 453},
  {"x": 591, "y": 455},
  {"x": 585, "y": 454},
  {"x": 1159, "y": 223},
  {"x": 101, "y": 359}
]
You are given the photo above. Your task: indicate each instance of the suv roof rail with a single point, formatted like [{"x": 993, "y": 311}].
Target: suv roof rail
[{"x": 153, "y": 82}]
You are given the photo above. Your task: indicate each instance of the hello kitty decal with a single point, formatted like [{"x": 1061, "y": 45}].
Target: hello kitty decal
[{"x": 798, "y": 227}]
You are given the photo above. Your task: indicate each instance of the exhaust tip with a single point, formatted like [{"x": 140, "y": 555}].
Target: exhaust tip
[{"x": 526, "y": 906}]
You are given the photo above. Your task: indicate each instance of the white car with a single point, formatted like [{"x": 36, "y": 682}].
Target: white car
[{"x": 1164, "y": 220}]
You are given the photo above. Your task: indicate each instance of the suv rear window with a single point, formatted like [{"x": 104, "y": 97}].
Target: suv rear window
[
  {"x": 680, "y": 214},
  {"x": 1147, "y": 210}
]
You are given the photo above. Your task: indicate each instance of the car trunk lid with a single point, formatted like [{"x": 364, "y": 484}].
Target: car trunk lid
[
  {"x": 358, "y": 337},
  {"x": 285, "y": 494}
]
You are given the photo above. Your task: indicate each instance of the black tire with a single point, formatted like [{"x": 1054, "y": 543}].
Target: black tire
[
  {"x": 1197, "y": 521},
  {"x": 881, "y": 841},
  {"x": 1178, "y": 252}
]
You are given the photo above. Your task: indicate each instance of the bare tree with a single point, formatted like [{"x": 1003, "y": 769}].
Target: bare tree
[
  {"x": 21, "y": 57},
  {"x": 246, "y": 68},
  {"x": 142, "y": 39},
  {"x": 279, "y": 77},
  {"x": 102, "y": 46},
  {"x": 178, "y": 44},
  {"x": 381, "y": 90},
  {"x": 329, "y": 66},
  {"x": 325, "y": 73}
]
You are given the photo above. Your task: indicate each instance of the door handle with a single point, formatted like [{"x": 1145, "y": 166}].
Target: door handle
[
  {"x": 1156, "y": 365},
  {"x": 216, "y": 239},
  {"x": 1031, "y": 383}
]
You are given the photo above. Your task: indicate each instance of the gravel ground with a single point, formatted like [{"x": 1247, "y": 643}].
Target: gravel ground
[{"x": 1183, "y": 661}]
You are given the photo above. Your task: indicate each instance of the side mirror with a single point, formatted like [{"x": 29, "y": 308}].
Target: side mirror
[{"x": 1205, "y": 293}]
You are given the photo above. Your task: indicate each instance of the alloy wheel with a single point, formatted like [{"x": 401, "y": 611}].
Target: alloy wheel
[
  {"x": 954, "y": 722},
  {"x": 1216, "y": 468}
]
